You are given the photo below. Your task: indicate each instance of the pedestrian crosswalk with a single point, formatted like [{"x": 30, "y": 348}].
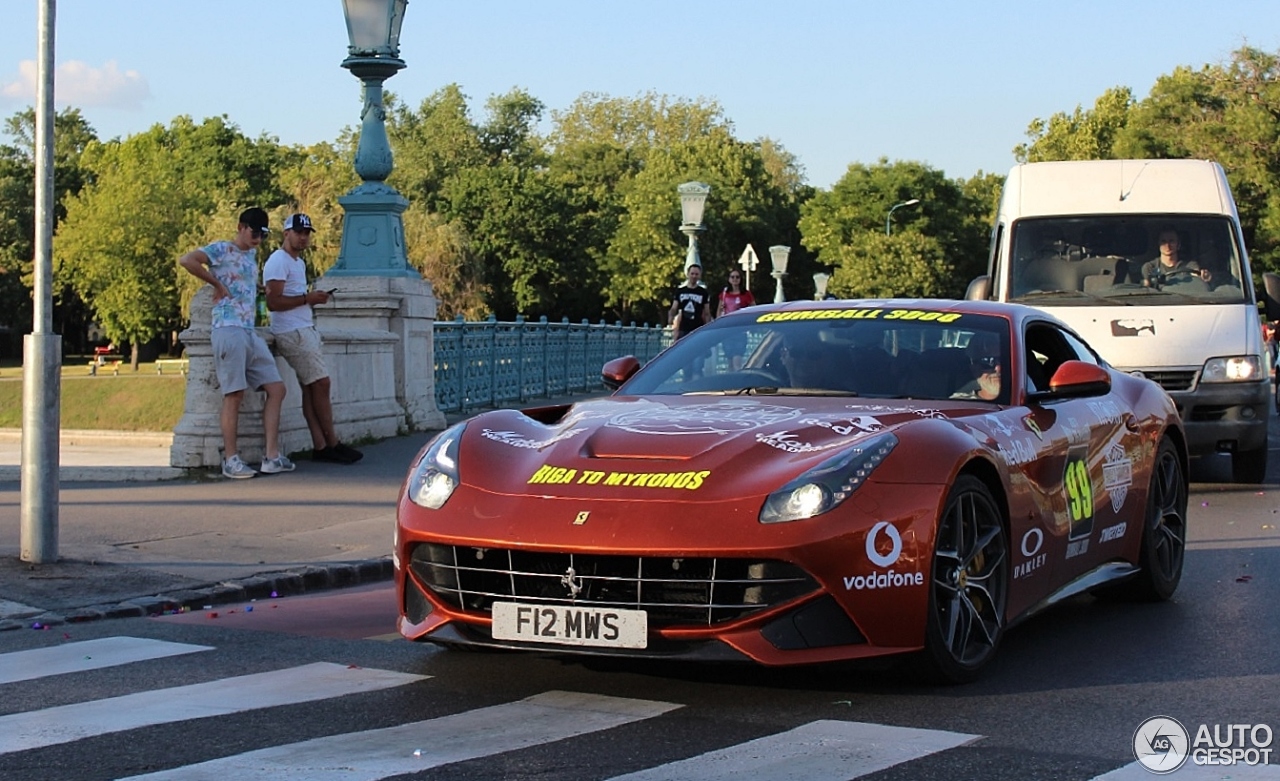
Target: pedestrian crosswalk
[{"x": 818, "y": 750}]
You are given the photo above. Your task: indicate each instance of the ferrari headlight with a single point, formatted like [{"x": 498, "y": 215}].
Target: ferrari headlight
[
  {"x": 828, "y": 484},
  {"x": 435, "y": 476},
  {"x": 1237, "y": 368}
]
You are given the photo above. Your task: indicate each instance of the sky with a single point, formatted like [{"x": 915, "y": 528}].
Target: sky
[{"x": 951, "y": 84}]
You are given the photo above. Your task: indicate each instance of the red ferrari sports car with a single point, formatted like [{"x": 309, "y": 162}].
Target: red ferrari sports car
[{"x": 799, "y": 483}]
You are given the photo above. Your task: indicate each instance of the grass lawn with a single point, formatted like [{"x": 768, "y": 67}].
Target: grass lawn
[{"x": 129, "y": 402}]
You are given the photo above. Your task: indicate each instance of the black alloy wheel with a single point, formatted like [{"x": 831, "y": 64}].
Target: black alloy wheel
[
  {"x": 1164, "y": 530},
  {"x": 970, "y": 584}
]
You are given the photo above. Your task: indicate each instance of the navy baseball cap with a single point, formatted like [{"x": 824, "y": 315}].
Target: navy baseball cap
[{"x": 298, "y": 222}]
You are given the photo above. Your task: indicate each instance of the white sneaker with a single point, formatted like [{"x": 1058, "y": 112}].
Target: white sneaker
[
  {"x": 236, "y": 469},
  {"x": 280, "y": 463}
]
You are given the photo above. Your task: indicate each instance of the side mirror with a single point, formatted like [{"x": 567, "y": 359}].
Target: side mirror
[
  {"x": 979, "y": 289},
  {"x": 618, "y": 371},
  {"x": 1075, "y": 379},
  {"x": 1271, "y": 297}
]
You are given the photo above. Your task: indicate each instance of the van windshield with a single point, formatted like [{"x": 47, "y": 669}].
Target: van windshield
[{"x": 1126, "y": 260}]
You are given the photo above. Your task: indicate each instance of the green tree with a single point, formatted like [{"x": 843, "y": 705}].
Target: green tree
[
  {"x": 907, "y": 264},
  {"x": 952, "y": 213},
  {"x": 71, "y": 134},
  {"x": 149, "y": 195},
  {"x": 1081, "y": 135}
]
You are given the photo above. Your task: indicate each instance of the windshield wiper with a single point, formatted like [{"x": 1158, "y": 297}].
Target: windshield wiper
[
  {"x": 768, "y": 390},
  {"x": 1067, "y": 294}
]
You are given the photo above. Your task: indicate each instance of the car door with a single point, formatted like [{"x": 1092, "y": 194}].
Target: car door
[{"x": 1082, "y": 476}]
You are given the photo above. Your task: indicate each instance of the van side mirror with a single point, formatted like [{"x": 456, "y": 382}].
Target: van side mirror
[
  {"x": 618, "y": 371},
  {"x": 979, "y": 289},
  {"x": 1271, "y": 295}
]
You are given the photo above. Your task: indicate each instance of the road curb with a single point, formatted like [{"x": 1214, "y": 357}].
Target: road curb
[{"x": 266, "y": 585}]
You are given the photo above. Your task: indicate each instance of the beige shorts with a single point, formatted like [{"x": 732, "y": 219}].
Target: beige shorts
[{"x": 303, "y": 351}]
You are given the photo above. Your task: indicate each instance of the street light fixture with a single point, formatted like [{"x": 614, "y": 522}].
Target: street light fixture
[
  {"x": 372, "y": 226},
  {"x": 820, "y": 281},
  {"x": 693, "y": 199},
  {"x": 779, "y": 254},
  {"x": 888, "y": 220}
]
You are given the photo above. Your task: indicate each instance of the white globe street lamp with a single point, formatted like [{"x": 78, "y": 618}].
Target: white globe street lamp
[
  {"x": 693, "y": 198},
  {"x": 820, "y": 281},
  {"x": 779, "y": 254}
]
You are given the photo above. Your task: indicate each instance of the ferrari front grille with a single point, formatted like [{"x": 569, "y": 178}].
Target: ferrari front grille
[{"x": 674, "y": 591}]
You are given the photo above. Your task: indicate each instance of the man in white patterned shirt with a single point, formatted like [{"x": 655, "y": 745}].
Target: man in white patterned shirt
[{"x": 240, "y": 357}]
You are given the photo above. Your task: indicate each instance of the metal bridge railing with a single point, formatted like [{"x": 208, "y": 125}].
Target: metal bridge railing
[{"x": 489, "y": 364}]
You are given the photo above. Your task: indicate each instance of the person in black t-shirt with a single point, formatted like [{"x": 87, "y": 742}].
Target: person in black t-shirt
[{"x": 691, "y": 305}]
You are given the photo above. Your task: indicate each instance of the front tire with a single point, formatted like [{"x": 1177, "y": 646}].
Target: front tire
[{"x": 969, "y": 587}]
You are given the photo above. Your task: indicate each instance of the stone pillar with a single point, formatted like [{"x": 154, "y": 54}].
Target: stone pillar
[
  {"x": 378, "y": 337},
  {"x": 405, "y": 307}
]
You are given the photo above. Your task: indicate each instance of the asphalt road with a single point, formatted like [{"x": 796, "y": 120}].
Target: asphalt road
[
  {"x": 1062, "y": 701},
  {"x": 317, "y": 687}
]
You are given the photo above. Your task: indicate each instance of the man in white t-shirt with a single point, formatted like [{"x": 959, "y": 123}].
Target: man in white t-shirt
[{"x": 298, "y": 341}]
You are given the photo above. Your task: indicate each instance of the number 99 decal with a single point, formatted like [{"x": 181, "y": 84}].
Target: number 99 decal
[{"x": 1079, "y": 491}]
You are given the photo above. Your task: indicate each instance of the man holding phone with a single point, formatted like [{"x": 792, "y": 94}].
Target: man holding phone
[{"x": 298, "y": 341}]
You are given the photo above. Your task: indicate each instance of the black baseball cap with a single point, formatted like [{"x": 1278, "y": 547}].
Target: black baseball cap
[{"x": 256, "y": 219}]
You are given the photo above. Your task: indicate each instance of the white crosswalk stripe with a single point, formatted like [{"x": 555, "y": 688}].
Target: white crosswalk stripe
[
  {"x": 65, "y": 723},
  {"x": 87, "y": 655},
  {"x": 818, "y": 751},
  {"x": 376, "y": 754}
]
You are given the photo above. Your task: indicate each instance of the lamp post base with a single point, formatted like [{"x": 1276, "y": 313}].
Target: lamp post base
[{"x": 373, "y": 233}]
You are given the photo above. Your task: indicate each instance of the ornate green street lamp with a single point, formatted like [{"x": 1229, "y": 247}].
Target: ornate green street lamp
[
  {"x": 372, "y": 226},
  {"x": 693, "y": 198}
]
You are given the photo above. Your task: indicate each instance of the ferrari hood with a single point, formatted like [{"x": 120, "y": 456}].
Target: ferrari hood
[{"x": 668, "y": 445}]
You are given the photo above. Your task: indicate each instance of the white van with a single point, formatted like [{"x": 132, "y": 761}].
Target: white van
[{"x": 1145, "y": 260}]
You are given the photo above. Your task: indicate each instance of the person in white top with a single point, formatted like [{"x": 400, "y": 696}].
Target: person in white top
[{"x": 297, "y": 340}]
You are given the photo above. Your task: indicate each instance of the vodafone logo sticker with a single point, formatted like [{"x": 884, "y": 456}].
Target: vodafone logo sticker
[
  {"x": 888, "y": 578},
  {"x": 895, "y": 539}
]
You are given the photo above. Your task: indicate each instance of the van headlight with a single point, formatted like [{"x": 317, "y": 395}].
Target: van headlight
[
  {"x": 1237, "y": 368},
  {"x": 824, "y": 487},
  {"x": 435, "y": 476}
]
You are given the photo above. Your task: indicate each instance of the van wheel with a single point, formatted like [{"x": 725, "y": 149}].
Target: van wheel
[{"x": 1249, "y": 466}]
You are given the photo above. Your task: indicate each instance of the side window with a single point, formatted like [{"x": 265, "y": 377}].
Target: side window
[
  {"x": 1047, "y": 348},
  {"x": 1083, "y": 351}
]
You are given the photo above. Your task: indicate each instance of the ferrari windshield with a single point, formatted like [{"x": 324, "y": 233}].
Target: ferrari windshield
[
  {"x": 1128, "y": 260},
  {"x": 876, "y": 352}
]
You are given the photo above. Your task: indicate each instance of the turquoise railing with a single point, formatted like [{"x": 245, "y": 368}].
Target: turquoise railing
[{"x": 489, "y": 364}]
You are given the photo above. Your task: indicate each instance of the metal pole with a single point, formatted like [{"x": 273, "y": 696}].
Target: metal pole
[{"x": 42, "y": 361}]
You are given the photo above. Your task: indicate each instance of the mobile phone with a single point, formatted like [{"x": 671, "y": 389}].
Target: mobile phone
[{"x": 331, "y": 292}]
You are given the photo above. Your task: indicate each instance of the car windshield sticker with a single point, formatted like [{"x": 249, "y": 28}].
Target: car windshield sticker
[
  {"x": 560, "y": 475},
  {"x": 1117, "y": 475},
  {"x": 515, "y": 439},
  {"x": 727, "y": 417},
  {"x": 1079, "y": 490},
  {"x": 860, "y": 314}
]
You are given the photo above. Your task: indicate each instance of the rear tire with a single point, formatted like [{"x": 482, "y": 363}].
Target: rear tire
[
  {"x": 1164, "y": 531},
  {"x": 1249, "y": 466},
  {"x": 969, "y": 586}
]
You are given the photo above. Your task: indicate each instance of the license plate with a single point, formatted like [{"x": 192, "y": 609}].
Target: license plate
[{"x": 570, "y": 625}]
